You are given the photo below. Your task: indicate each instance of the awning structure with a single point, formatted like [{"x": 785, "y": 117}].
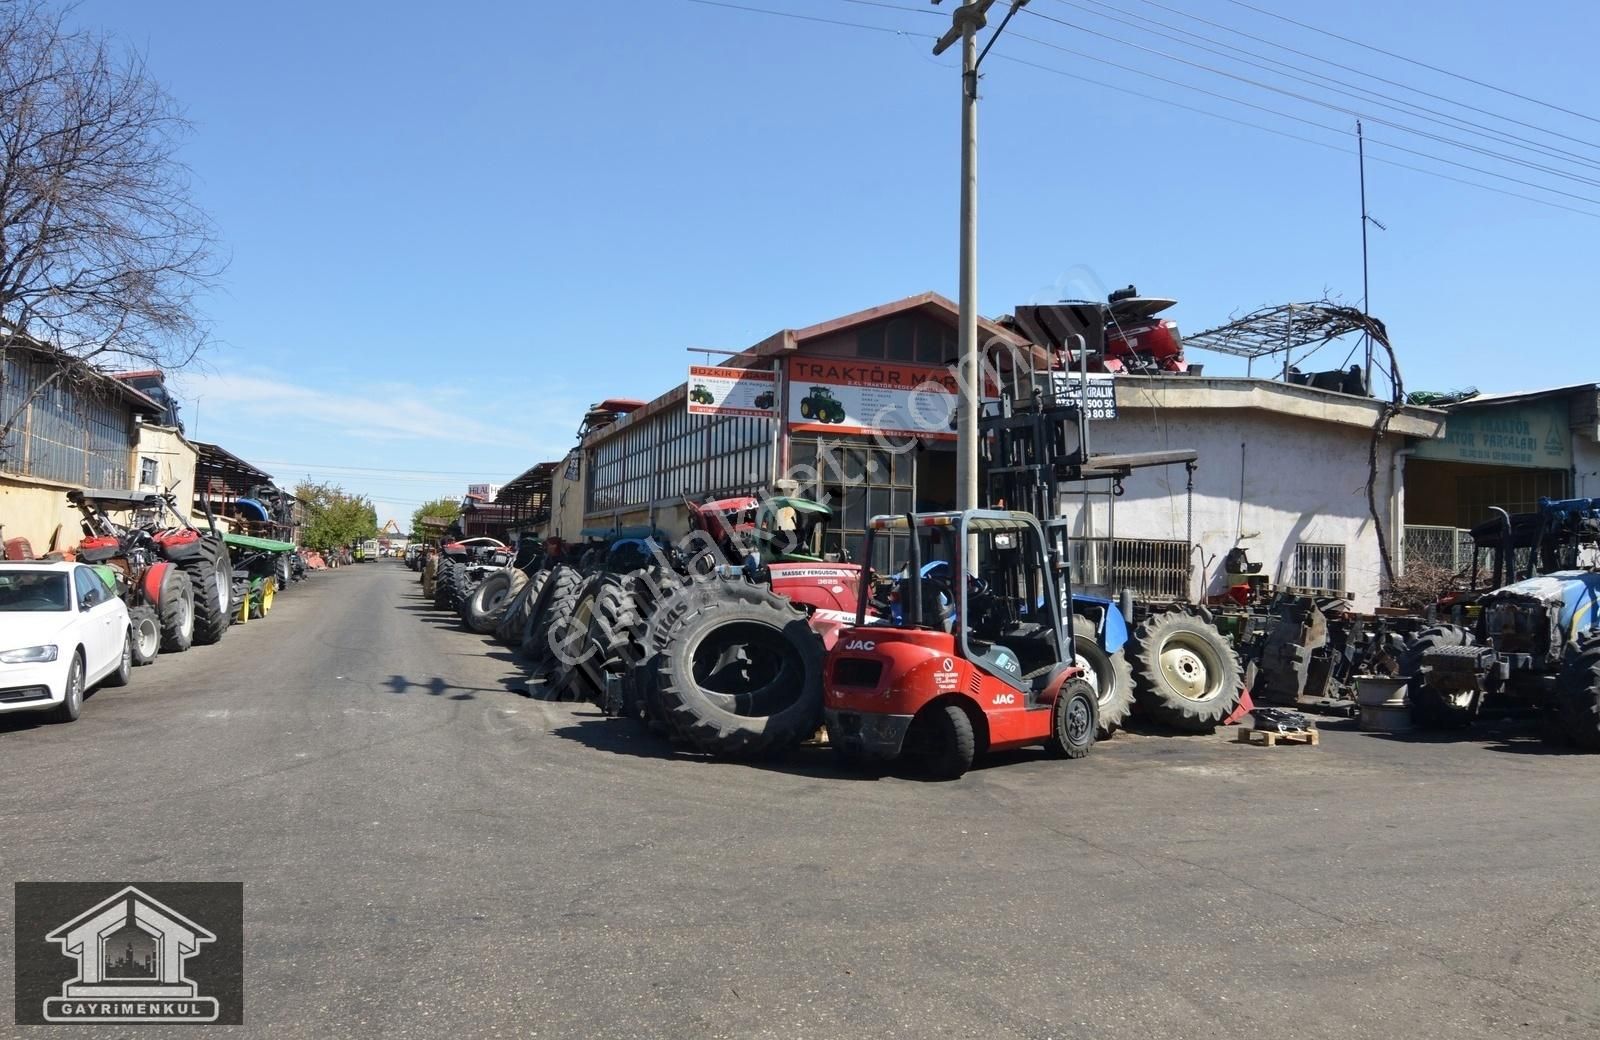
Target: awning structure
[{"x": 1276, "y": 330}]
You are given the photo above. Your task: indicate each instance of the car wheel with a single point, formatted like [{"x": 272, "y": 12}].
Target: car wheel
[
  {"x": 125, "y": 665},
  {"x": 71, "y": 705}
]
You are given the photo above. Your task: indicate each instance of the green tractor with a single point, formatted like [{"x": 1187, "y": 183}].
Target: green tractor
[
  {"x": 821, "y": 405},
  {"x": 700, "y": 395}
]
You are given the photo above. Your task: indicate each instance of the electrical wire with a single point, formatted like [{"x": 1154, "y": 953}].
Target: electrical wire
[
  {"x": 1145, "y": 74},
  {"x": 1373, "y": 75},
  {"x": 1353, "y": 113},
  {"x": 1286, "y": 134},
  {"x": 805, "y": 17},
  {"x": 1352, "y": 90},
  {"x": 1414, "y": 61}
]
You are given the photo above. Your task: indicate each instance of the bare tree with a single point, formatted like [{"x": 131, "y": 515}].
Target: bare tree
[{"x": 102, "y": 249}]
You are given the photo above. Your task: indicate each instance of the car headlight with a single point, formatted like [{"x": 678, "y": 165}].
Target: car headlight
[{"x": 29, "y": 655}]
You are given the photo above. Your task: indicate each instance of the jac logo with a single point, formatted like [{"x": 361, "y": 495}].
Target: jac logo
[
  {"x": 861, "y": 644},
  {"x": 1005, "y": 698}
]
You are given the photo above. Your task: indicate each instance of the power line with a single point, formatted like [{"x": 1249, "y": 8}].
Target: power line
[
  {"x": 1352, "y": 113},
  {"x": 1276, "y": 67},
  {"x": 806, "y": 17},
  {"x": 1293, "y": 137},
  {"x": 1146, "y": 74},
  {"x": 1373, "y": 75},
  {"x": 1413, "y": 61}
]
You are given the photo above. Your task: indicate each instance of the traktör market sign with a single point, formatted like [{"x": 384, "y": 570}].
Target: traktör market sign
[{"x": 1533, "y": 435}]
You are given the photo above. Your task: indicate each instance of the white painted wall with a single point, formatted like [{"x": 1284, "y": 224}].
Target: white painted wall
[{"x": 1300, "y": 481}]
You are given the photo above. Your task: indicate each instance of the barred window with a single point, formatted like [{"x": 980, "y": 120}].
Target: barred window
[
  {"x": 62, "y": 431},
  {"x": 1319, "y": 566}
]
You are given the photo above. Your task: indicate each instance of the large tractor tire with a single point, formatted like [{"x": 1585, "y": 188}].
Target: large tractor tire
[
  {"x": 561, "y": 586},
  {"x": 175, "y": 606},
  {"x": 1578, "y": 693},
  {"x": 512, "y": 617},
  {"x": 616, "y": 631},
  {"x": 210, "y": 573},
  {"x": 665, "y": 601},
  {"x": 572, "y": 658},
  {"x": 430, "y": 573},
  {"x": 1432, "y": 709},
  {"x": 1110, "y": 674},
  {"x": 1185, "y": 674},
  {"x": 742, "y": 677},
  {"x": 443, "y": 584},
  {"x": 487, "y": 606},
  {"x": 282, "y": 571},
  {"x": 146, "y": 628}
]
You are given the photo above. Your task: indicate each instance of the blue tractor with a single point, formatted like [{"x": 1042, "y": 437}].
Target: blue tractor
[{"x": 1535, "y": 640}]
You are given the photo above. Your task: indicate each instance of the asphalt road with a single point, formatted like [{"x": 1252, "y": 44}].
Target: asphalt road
[{"x": 426, "y": 852}]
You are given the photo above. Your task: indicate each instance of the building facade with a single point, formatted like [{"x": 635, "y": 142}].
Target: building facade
[
  {"x": 1284, "y": 470},
  {"x": 63, "y": 426}
]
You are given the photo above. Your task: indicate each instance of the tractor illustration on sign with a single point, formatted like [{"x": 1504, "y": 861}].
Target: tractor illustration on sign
[
  {"x": 764, "y": 399},
  {"x": 821, "y": 405},
  {"x": 700, "y": 395}
]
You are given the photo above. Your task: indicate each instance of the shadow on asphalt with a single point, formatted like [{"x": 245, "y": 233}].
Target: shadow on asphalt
[
  {"x": 436, "y": 687},
  {"x": 622, "y": 737},
  {"x": 1507, "y": 736}
]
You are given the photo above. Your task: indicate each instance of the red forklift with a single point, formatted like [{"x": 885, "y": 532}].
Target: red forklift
[
  {"x": 980, "y": 659},
  {"x": 978, "y": 654}
]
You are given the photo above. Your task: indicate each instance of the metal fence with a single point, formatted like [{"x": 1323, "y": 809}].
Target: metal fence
[
  {"x": 1319, "y": 566},
  {"x": 1448, "y": 547},
  {"x": 1152, "y": 568}
]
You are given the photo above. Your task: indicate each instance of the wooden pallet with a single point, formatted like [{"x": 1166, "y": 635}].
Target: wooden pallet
[{"x": 1272, "y": 738}]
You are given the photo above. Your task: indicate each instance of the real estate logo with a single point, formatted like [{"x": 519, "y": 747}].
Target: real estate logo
[{"x": 162, "y": 952}]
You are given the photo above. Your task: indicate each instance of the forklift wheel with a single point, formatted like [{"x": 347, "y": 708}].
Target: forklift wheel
[
  {"x": 942, "y": 744},
  {"x": 1072, "y": 720}
]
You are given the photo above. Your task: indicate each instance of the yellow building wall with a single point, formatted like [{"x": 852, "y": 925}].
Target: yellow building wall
[{"x": 37, "y": 510}]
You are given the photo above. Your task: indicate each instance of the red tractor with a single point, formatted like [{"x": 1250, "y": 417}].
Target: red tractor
[
  {"x": 980, "y": 659},
  {"x": 175, "y": 580}
]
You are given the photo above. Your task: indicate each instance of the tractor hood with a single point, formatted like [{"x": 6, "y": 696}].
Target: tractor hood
[{"x": 1570, "y": 596}]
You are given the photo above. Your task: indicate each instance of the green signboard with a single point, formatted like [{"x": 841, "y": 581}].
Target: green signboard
[{"x": 1536, "y": 435}]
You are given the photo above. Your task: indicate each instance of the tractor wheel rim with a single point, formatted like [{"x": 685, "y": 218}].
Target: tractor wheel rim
[
  {"x": 186, "y": 616},
  {"x": 1092, "y": 677},
  {"x": 1186, "y": 670},
  {"x": 1077, "y": 720},
  {"x": 149, "y": 636},
  {"x": 224, "y": 587}
]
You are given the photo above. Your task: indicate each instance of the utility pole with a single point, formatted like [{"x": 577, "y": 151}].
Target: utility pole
[
  {"x": 966, "y": 21},
  {"x": 1361, "y": 159}
]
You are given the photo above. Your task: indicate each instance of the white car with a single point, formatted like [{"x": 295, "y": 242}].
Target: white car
[{"x": 62, "y": 630}]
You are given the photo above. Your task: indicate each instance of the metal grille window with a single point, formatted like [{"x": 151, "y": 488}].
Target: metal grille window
[
  {"x": 1447, "y": 547},
  {"x": 1319, "y": 566},
  {"x": 1151, "y": 567},
  {"x": 61, "y": 431}
]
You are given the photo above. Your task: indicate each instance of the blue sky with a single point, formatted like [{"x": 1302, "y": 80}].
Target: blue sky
[{"x": 451, "y": 228}]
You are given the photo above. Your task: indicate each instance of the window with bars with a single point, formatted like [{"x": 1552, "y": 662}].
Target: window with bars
[{"x": 1319, "y": 566}]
